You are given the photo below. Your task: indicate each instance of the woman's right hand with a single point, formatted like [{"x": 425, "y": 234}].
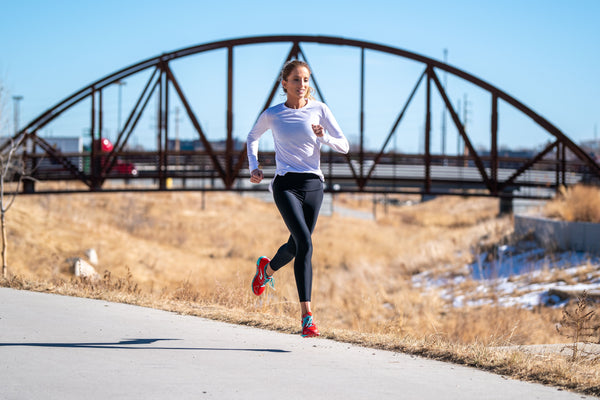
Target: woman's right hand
[{"x": 256, "y": 176}]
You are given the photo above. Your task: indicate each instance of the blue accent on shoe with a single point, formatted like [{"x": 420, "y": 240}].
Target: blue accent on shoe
[
  {"x": 269, "y": 280},
  {"x": 262, "y": 273},
  {"x": 307, "y": 320}
]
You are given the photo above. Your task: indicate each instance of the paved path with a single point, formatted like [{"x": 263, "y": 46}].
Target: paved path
[{"x": 56, "y": 347}]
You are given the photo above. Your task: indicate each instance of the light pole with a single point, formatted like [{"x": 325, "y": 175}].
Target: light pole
[
  {"x": 121, "y": 84},
  {"x": 16, "y": 100}
]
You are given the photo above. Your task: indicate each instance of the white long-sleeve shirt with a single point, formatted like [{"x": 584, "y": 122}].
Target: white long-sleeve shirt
[{"x": 297, "y": 148}]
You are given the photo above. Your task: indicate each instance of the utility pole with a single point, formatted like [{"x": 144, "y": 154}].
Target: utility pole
[
  {"x": 462, "y": 108},
  {"x": 445, "y": 108},
  {"x": 465, "y": 121},
  {"x": 177, "y": 146},
  {"x": 465, "y": 111},
  {"x": 17, "y": 100},
  {"x": 458, "y": 112}
]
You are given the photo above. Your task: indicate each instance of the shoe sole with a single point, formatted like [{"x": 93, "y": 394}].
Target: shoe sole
[
  {"x": 255, "y": 275},
  {"x": 311, "y": 335}
]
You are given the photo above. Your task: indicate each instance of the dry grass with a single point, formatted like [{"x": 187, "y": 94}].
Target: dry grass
[
  {"x": 163, "y": 250},
  {"x": 577, "y": 203}
]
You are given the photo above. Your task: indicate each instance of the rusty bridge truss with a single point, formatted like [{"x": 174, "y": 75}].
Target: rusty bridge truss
[{"x": 224, "y": 166}]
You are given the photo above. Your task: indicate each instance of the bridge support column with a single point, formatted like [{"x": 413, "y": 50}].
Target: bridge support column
[
  {"x": 162, "y": 183},
  {"x": 506, "y": 205},
  {"x": 426, "y": 197},
  {"x": 28, "y": 186}
]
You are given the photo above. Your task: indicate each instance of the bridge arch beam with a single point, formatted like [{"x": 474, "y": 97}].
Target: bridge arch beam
[{"x": 361, "y": 167}]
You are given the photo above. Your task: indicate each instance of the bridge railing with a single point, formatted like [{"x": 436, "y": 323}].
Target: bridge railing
[{"x": 390, "y": 173}]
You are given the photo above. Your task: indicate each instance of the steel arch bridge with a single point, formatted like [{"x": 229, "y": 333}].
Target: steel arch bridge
[{"x": 222, "y": 164}]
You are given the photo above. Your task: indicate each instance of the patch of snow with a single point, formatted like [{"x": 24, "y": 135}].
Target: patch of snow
[{"x": 519, "y": 276}]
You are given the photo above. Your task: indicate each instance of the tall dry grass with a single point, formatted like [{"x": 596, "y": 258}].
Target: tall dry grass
[
  {"x": 577, "y": 203},
  {"x": 175, "y": 249},
  {"x": 165, "y": 250}
]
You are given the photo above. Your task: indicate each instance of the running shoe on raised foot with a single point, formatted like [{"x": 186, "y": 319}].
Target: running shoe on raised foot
[
  {"x": 261, "y": 279},
  {"x": 309, "y": 329}
]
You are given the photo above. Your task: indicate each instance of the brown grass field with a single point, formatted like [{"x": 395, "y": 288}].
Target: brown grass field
[
  {"x": 167, "y": 251},
  {"x": 578, "y": 203}
]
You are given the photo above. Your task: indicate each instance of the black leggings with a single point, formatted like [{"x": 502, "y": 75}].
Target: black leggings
[{"x": 298, "y": 197}]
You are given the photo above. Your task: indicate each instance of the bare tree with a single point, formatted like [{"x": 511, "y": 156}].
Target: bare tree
[{"x": 11, "y": 170}]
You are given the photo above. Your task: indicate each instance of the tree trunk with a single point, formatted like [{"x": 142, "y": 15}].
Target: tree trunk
[{"x": 4, "y": 266}]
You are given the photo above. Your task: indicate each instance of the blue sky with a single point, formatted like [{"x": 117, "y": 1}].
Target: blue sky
[{"x": 544, "y": 53}]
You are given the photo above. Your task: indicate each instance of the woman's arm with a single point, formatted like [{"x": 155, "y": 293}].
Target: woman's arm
[
  {"x": 333, "y": 135},
  {"x": 260, "y": 127}
]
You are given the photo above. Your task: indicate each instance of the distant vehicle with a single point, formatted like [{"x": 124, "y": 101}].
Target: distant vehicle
[
  {"x": 75, "y": 152},
  {"x": 124, "y": 168},
  {"x": 119, "y": 167}
]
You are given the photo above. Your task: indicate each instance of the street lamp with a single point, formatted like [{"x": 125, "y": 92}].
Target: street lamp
[{"x": 16, "y": 100}]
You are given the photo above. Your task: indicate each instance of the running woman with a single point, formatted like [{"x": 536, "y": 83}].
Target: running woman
[{"x": 300, "y": 126}]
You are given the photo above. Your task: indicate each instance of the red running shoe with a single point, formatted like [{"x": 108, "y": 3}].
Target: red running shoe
[
  {"x": 261, "y": 279},
  {"x": 309, "y": 329}
]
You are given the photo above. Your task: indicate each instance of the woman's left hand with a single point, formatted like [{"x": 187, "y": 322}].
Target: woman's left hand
[{"x": 318, "y": 130}]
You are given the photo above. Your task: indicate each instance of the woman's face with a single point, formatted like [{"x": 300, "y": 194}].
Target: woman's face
[{"x": 296, "y": 84}]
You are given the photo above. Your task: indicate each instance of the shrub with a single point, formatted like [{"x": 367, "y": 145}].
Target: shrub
[{"x": 578, "y": 203}]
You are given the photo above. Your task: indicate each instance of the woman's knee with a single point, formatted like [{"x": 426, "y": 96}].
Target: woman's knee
[{"x": 304, "y": 245}]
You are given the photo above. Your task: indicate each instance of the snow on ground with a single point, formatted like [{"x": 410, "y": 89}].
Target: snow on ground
[{"x": 521, "y": 275}]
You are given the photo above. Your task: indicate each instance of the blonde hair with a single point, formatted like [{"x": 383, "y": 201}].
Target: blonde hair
[{"x": 288, "y": 68}]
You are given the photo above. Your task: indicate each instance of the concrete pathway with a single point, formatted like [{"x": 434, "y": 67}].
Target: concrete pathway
[{"x": 57, "y": 347}]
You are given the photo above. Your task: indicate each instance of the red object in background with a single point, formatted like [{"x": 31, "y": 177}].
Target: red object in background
[
  {"x": 125, "y": 168},
  {"x": 120, "y": 167},
  {"x": 106, "y": 145}
]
